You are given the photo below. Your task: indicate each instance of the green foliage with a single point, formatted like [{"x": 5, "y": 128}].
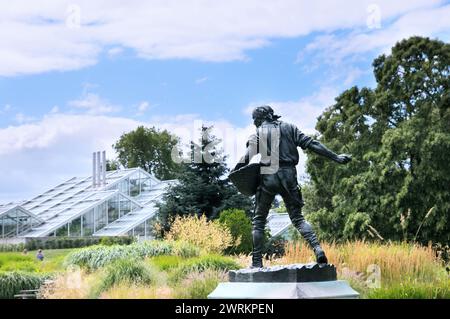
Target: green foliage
[
  {"x": 126, "y": 271},
  {"x": 99, "y": 256},
  {"x": 14, "y": 261},
  {"x": 96, "y": 257},
  {"x": 149, "y": 149},
  {"x": 12, "y": 247},
  {"x": 185, "y": 250},
  {"x": 71, "y": 242},
  {"x": 202, "y": 188},
  {"x": 240, "y": 227},
  {"x": 11, "y": 283},
  {"x": 166, "y": 263},
  {"x": 200, "y": 264},
  {"x": 199, "y": 285},
  {"x": 274, "y": 247},
  {"x": 122, "y": 240},
  {"x": 413, "y": 290},
  {"x": 399, "y": 137}
]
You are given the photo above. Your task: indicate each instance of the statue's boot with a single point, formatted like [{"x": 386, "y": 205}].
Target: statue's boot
[
  {"x": 258, "y": 245},
  {"x": 309, "y": 235},
  {"x": 321, "y": 258}
]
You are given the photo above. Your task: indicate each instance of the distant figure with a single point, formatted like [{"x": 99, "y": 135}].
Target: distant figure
[
  {"x": 40, "y": 255},
  {"x": 25, "y": 252}
]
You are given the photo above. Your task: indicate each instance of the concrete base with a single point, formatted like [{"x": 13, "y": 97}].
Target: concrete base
[{"x": 337, "y": 289}]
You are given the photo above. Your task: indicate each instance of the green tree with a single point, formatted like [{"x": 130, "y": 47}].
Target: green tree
[
  {"x": 202, "y": 186},
  {"x": 240, "y": 227},
  {"x": 399, "y": 135},
  {"x": 150, "y": 149}
]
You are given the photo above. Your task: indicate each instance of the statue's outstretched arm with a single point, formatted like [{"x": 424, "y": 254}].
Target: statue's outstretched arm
[{"x": 321, "y": 149}]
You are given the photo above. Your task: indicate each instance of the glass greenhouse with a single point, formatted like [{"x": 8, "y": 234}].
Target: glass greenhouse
[{"x": 122, "y": 204}]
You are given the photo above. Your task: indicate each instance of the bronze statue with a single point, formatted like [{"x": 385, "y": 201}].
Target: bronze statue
[{"x": 277, "y": 143}]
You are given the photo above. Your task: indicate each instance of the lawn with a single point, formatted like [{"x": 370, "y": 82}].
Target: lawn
[{"x": 167, "y": 269}]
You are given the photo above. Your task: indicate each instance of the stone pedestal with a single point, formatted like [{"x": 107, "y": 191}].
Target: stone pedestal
[{"x": 299, "y": 281}]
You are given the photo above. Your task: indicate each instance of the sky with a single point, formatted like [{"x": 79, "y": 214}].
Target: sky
[{"x": 75, "y": 75}]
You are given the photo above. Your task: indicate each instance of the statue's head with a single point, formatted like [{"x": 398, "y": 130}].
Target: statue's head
[{"x": 263, "y": 113}]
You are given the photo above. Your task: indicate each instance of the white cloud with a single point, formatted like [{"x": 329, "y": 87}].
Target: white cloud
[
  {"x": 114, "y": 52},
  {"x": 143, "y": 107},
  {"x": 6, "y": 108},
  {"x": 54, "y": 109},
  {"x": 22, "y": 118},
  {"x": 341, "y": 52},
  {"x": 50, "y": 35},
  {"x": 38, "y": 155},
  {"x": 93, "y": 104},
  {"x": 201, "y": 80}
]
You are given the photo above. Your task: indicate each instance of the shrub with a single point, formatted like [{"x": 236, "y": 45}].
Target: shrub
[
  {"x": 95, "y": 257},
  {"x": 413, "y": 290},
  {"x": 69, "y": 242},
  {"x": 211, "y": 236},
  {"x": 275, "y": 247},
  {"x": 200, "y": 264},
  {"x": 240, "y": 227},
  {"x": 166, "y": 263},
  {"x": 185, "y": 250},
  {"x": 71, "y": 284},
  {"x": 199, "y": 285},
  {"x": 12, "y": 247},
  {"x": 11, "y": 283},
  {"x": 127, "y": 271}
]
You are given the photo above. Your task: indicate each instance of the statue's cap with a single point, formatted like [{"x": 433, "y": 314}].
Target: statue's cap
[{"x": 264, "y": 112}]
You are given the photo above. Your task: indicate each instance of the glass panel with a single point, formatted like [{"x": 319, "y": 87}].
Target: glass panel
[
  {"x": 146, "y": 184},
  {"x": 113, "y": 209},
  {"x": 140, "y": 230},
  {"x": 101, "y": 216},
  {"x": 88, "y": 223},
  {"x": 124, "y": 186},
  {"x": 75, "y": 228},
  {"x": 10, "y": 224},
  {"x": 125, "y": 206},
  {"x": 135, "y": 184},
  {"x": 62, "y": 232}
]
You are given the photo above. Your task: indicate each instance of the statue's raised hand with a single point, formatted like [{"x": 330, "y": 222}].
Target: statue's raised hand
[{"x": 343, "y": 158}]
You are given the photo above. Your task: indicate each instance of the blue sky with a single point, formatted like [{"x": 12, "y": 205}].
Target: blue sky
[{"x": 75, "y": 75}]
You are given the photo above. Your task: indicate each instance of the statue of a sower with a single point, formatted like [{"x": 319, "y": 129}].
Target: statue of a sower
[{"x": 277, "y": 143}]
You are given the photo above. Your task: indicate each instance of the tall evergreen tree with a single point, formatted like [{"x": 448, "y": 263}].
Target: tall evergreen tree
[
  {"x": 399, "y": 135},
  {"x": 202, "y": 187}
]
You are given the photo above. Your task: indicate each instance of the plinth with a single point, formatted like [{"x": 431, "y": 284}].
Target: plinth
[{"x": 298, "y": 281}]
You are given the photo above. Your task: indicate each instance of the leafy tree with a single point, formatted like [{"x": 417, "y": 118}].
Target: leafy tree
[
  {"x": 399, "y": 135},
  {"x": 112, "y": 165},
  {"x": 202, "y": 186},
  {"x": 150, "y": 149},
  {"x": 240, "y": 227}
]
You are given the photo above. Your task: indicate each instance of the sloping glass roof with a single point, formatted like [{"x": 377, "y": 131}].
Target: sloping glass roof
[
  {"x": 7, "y": 208},
  {"x": 71, "y": 199},
  {"x": 69, "y": 213},
  {"x": 126, "y": 223},
  {"x": 278, "y": 223}
]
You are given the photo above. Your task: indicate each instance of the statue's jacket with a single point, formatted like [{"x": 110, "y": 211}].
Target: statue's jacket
[{"x": 277, "y": 139}]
